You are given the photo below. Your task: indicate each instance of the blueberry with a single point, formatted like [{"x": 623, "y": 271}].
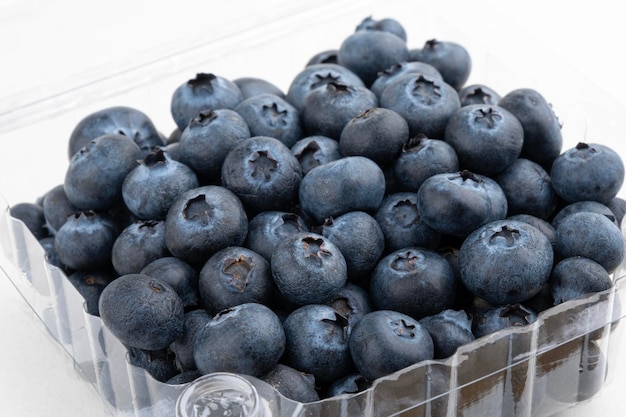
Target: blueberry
[
  {"x": 618, "y": 207},
  {"x": 543, "y": 138},
  {"x": 505, "y": 261},
  {"x": 317, "y": 342},
  {"x": 543, "y": 225},
  {"x": 292, "y": 383},
  {"x": 94, "y": 177},
  {"x": 327, "y": 110},
  {"x": 422, "y": 157},
  {"x": 352, "y": 302},
  {"x": 308, "y": 268},
  {"x": 268, "y": 228},
  {"x": 367, "y": 52},
  {"x": 150, "y": 188},
  {"x": 56, "y": 208},
  {"x": 351, "y": 183},
  {"x": 400, "y": 221},
  {"x": 85, "y": 241},
  {"x": 203, "y": 92},
  {"x": 122, "y": 120},
  {"x": 386, "y": 25},
  {"x": 451, "y": 59},
  {"x": 252, "y": 86},
  {"x": 178, "y": 274},
  {"x": 588, "y": 171},
  {"x": 318, "y": 75},
  {"x": 501, "y": 317},
  {"x": 246, "y": 339},
  {"x": 51, "y": 256},
  {"x": 590, "y": 235},
  {"x": 233, "y": 276},
  {"x": 137, "y": 245},
  {"x": 160, "y": 364},
  {"x": 315, "y": 150},
  {"x": 449, "y": 330},
  {"x": 580, "y": 206},
  {"x": 528, "y": 189},
  {"x": 385, "y": 341},
  {"x": 575, "y": 277},
  {"x": 360, "y": 239},
  {"x": 327, "y": 56},
  {"x": 384, "y": 77},
  {"x": 487, "y": 139},
  {"x": 142, "y": 311},
  {"x": 458, "y": 203},
  {"x": 425, "y": 102},
  {"x": 204, "y": 220},
  {"x": 32, "y": 215},
  {"x": 207, "y": 140},
  {"x": 263, "y": 173},
  {"x": 376, "y": 133},
  {"x": 90, "y": 285},
  {"x": 478, "y": 94},
  {"x": 269, "y": 115},
  {"x": 414, "y": 281},
  {"x": 194, "y": 322}
]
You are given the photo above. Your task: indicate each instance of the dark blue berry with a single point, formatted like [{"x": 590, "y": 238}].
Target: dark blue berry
[
  {"x": 450, "y": 330},
  {"x": 590, "y": 235},
  {"x": 414, "y": 281},
  {"x": 575, "y": 277},
  {"x": 360, "y": 239},
  {"x": 505, "y": 261},
  {"x": 203, "y": 92},
  {"x": 399, "y": 219},
  {"x": 204, "y": 220},
  {"x": 263, "y": 173},
  {"x": 425, "y": 102},
  {"x": 377, "y": 133},
  {"x": 543, "y": 138},
  {"x": 268, "y": 228},
  {"x": 152, "y": 186},
  {"x": 204, "y": 144},
  {"x": 486, "y": 138},
  {"x": 588, "y": 171},
  {"x": 233, "y": 276},
  {"x": 348, "y": 184},
  {"x": 179, "y": 275},
  {"x": 122, "y": 120},
  {"x": 317, "y": 342},
  {"x": 501, "y": 317},
  {"x": 246, "y": 339},
  {"x": 308, "y": 268},
  {"x": 137, "y": 245},
  {"x": 367, "y": 52},
  {"x": 458, "y": 203},
  {"x": 94, "y": 177},
  {"x": 269, "y": 115},
  {"x": 385, "y": 341},
  {"x": 312, "y": 151},
  {"x": 142, "y": 312}
]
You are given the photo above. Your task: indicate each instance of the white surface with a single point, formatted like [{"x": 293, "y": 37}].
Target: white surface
[{"x": 38, "y": 378}]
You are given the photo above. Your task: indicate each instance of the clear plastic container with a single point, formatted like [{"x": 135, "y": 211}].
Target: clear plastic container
[{"x": 565, "y": 357}]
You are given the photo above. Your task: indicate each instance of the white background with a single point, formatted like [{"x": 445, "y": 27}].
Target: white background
[{"x": 50, "y": 45}]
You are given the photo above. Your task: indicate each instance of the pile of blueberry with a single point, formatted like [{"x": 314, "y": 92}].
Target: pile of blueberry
[{"x": 379, "y": 213}]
